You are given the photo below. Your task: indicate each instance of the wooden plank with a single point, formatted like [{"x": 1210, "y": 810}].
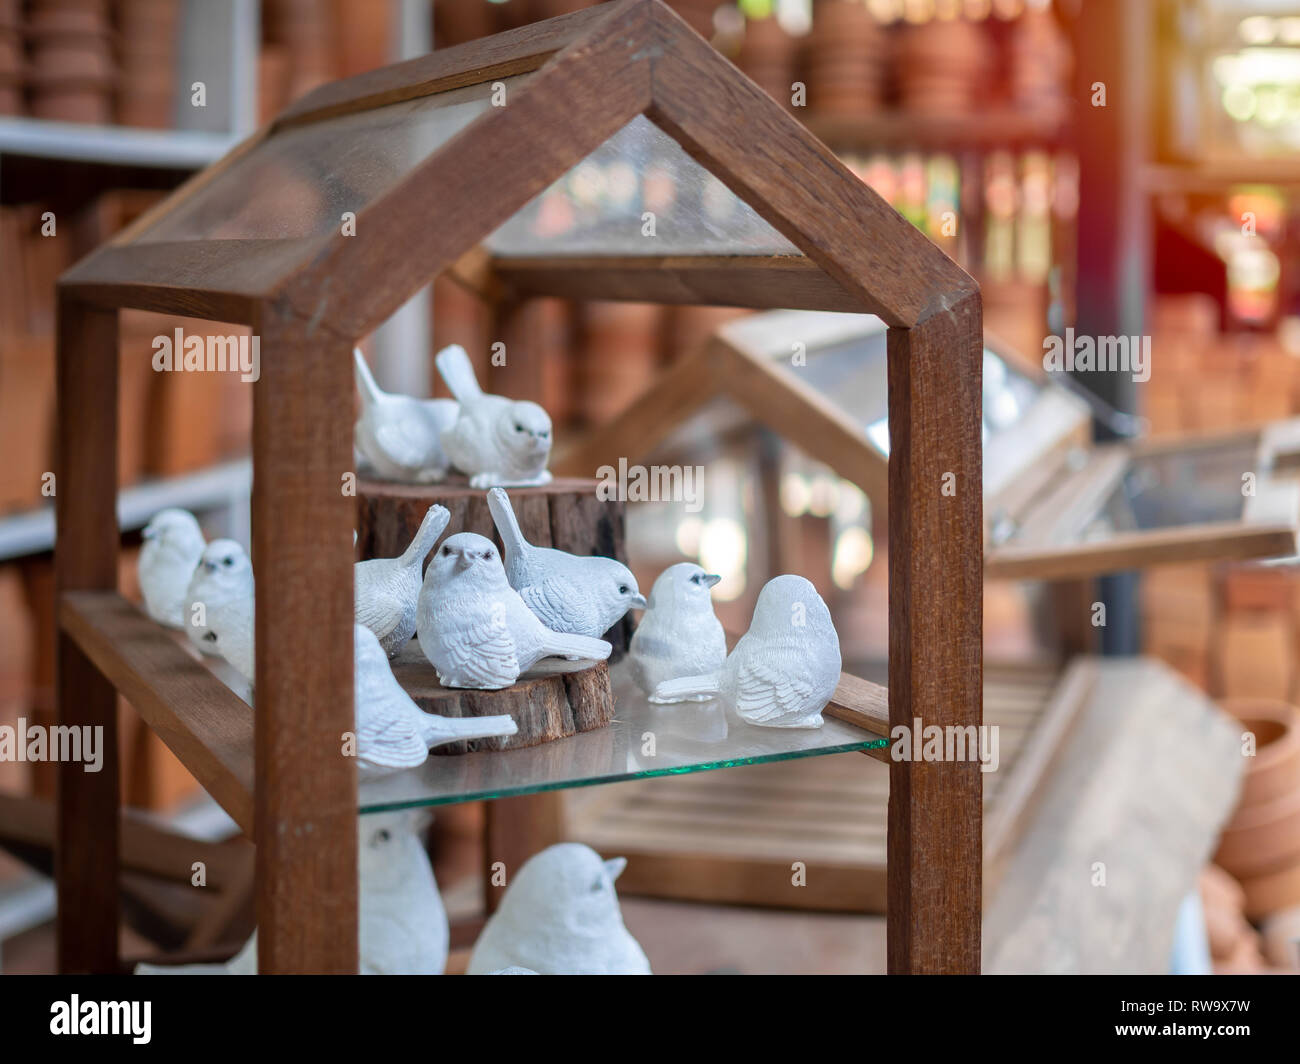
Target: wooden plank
[
  {"x": 760, "y": 281},
  {"x": 1143, "y": 785},
  {"x": 502, "y": 55},
  {"x": 517, "y": 828},
  {"x": 795, "y": 182},
  {"x": 935, "y": 636},
  {"x": 305, "y": 802},
  {"x": 204, "y": 723},
  {"x": 85, "y": 558}
]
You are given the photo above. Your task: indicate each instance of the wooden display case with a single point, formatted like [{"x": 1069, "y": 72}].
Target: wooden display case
[{"x": 463, "y": 160}]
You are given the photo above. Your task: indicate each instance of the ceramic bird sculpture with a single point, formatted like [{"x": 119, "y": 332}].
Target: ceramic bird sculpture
[
  {"x": 568, "y": 593},
  {"x": 173, "y": 543},
  {"x": 494, "y": 440},
  {"x": 679, "y": 635},
  {"x": 400, "y": 436},
  {"x": 387, "y": 589},
  {"x": 223, "y": 586},
  {"x": 783, "y": 671},
  {"x": 560, "y": 916},
  {"x": 393, "y": 733},
  {"x": 473, "y": 626},
  {"x": 402, "y": 925}
]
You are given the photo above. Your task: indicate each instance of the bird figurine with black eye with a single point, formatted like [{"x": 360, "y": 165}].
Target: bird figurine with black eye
[
  {"x": 386, "y": 589},
  {"x": 783, "y": 671},
  {"x": 679, "y": 635},
  {"x": 173, "y": 544},
  {"x": 399, "y": 435},
  {"x": 219, "y": 605},
  {"x": 495, "y": 440},
  {"x": 473, "y": 626},
  {"x": 568, "y": 593}
]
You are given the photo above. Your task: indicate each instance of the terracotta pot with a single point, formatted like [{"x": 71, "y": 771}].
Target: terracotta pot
[
  {"x": 1219, "y": 888},
  {"x": 1272, "y": 892},
  {"x": 11, "y": 52},
  {"x": 1281, "y": 935},
  {"x": 1261, "y": 838},
  {"x": 1225, "y": 927},
  {"x": 1274, "y": 771},
  {"x": 1245, "y": 958},
  {"x": 66, "y": 56},
  {"x": 72, "y": 101}
]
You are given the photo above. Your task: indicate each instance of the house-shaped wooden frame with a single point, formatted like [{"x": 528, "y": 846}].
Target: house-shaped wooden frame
[{"x": 258, "y": 239}]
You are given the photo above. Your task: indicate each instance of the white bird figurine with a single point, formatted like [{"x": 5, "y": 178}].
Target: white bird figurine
[
  {"x": 393, "y": 733},
  {"x": 560, "y": 916},
  {"x": 223, "y": 586},
  {"x": 173, "y": 544},
  {"x": 783, "y": 671},
  {"x": 568, "y": 593},
  {"x": 386, "y": 589},
  {"x": 679, "y": 635},
  {"x": 473, "y": 626},
  {"x": 494, "y": 440},
  {"x": 402, "y": 924},
  {"x": 399, "y": 435}
]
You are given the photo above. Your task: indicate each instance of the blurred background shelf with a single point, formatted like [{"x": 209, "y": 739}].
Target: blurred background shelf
[{"x": 112, "y": 145}]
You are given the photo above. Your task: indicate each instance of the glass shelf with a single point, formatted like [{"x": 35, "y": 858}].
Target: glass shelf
[{"x": 690, "y": 737}]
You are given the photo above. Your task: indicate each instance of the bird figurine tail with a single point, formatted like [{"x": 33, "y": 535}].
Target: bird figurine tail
[
  {"x": 559, "y": 645},
  {"x": 503, "y": 516},
  {"x": 457, "y": 370},
  {"x": 435, "y": 520},
  {"x": 371, "y": 393},
  {"x": 439, "y": 729},
  {"x": 686, "y": 688}
]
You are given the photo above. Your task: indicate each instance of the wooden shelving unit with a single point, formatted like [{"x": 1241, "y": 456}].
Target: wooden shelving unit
[{"x": 312, "y": 292}]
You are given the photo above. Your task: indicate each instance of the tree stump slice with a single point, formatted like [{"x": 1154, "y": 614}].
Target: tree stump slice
[
  {"x": 553, "y": 700},
  {"x": 564, "y": 514}
]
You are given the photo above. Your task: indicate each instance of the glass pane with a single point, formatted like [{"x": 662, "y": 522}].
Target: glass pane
[
  {"x": 298, "y": 183},
  {"x": 853, "y": 374},
  {"x": 638, "y": 194},
  {"x": 1179, "y": 488},
  {"x": 691, "y": 737}
]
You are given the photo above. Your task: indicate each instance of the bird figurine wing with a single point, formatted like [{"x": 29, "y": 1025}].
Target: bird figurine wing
[
  {"x": 376, "y": 608},
  {"x": 388, "y": 738},
  {"x": 766, "y": 691},
  {"x": 483, "y": 652},
  {"x": 558, "y": 604},
  {"x": 405, "y": 436}
]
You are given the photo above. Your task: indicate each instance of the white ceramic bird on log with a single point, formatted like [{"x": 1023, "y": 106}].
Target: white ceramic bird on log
[
  {"x": 399, "y": 435},
  {"x": 473, "y": 626},
  {"x": 401, "y": 922},
  {"x": 560, "y": 916},
  {"x": 783, "y": 671},
  {"x": 386, "y": 590},
  {"x": 495, "y": 440},
  {"x": 223, "y": 588},
  {"x": 173, "y": 544},
  {"x": 568, "y": 593},
  {"x": 393, "y": 733},
  {"x": 679, "y": 634}
]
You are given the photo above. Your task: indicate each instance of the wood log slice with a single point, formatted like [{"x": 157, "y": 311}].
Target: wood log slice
[{"x": 553, "y": 700}]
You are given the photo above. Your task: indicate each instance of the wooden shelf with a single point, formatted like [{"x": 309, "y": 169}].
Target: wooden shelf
[
  {"x": 898, "y": 129},
  {"x": 202, "y": 721},
  {"x": 210, "y": 728}
]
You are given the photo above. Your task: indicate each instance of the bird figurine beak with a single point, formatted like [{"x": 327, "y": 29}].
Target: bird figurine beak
[
  {"x": 211, "y": 567},
  {"x": 712, "y": 579},
  {"x": 614, "y": 866},
  {"x": 463, "y": 562},
  {"x": 638, "y": 602},
  {"x": 149, "y": 533}
]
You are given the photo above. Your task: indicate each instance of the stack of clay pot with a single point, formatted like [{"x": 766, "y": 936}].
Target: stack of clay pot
[
  {"x": 942, "y": 66},
  {"x": 148, "y": 32},
  {"x": 11, "y": 59},
  {"x": 1260, "y": 846},
  {"x": 621, "y": 345},
  {"x": 1040, "y": 63},
  {"x": 305, "y": 29},
  {"x": 847, "y": 59},
  {"x": 1234, "y": 944},
  {"x": 768, "y": 56},
  {"x": 71, "y": 72}
]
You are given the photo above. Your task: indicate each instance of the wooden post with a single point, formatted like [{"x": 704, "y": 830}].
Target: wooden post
[
  {"x": 517, "y": 828},
  {"x": 935, "y": 637},
  {"x": 86, "y": 559},
  {"x": 305, "y": 800}
]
